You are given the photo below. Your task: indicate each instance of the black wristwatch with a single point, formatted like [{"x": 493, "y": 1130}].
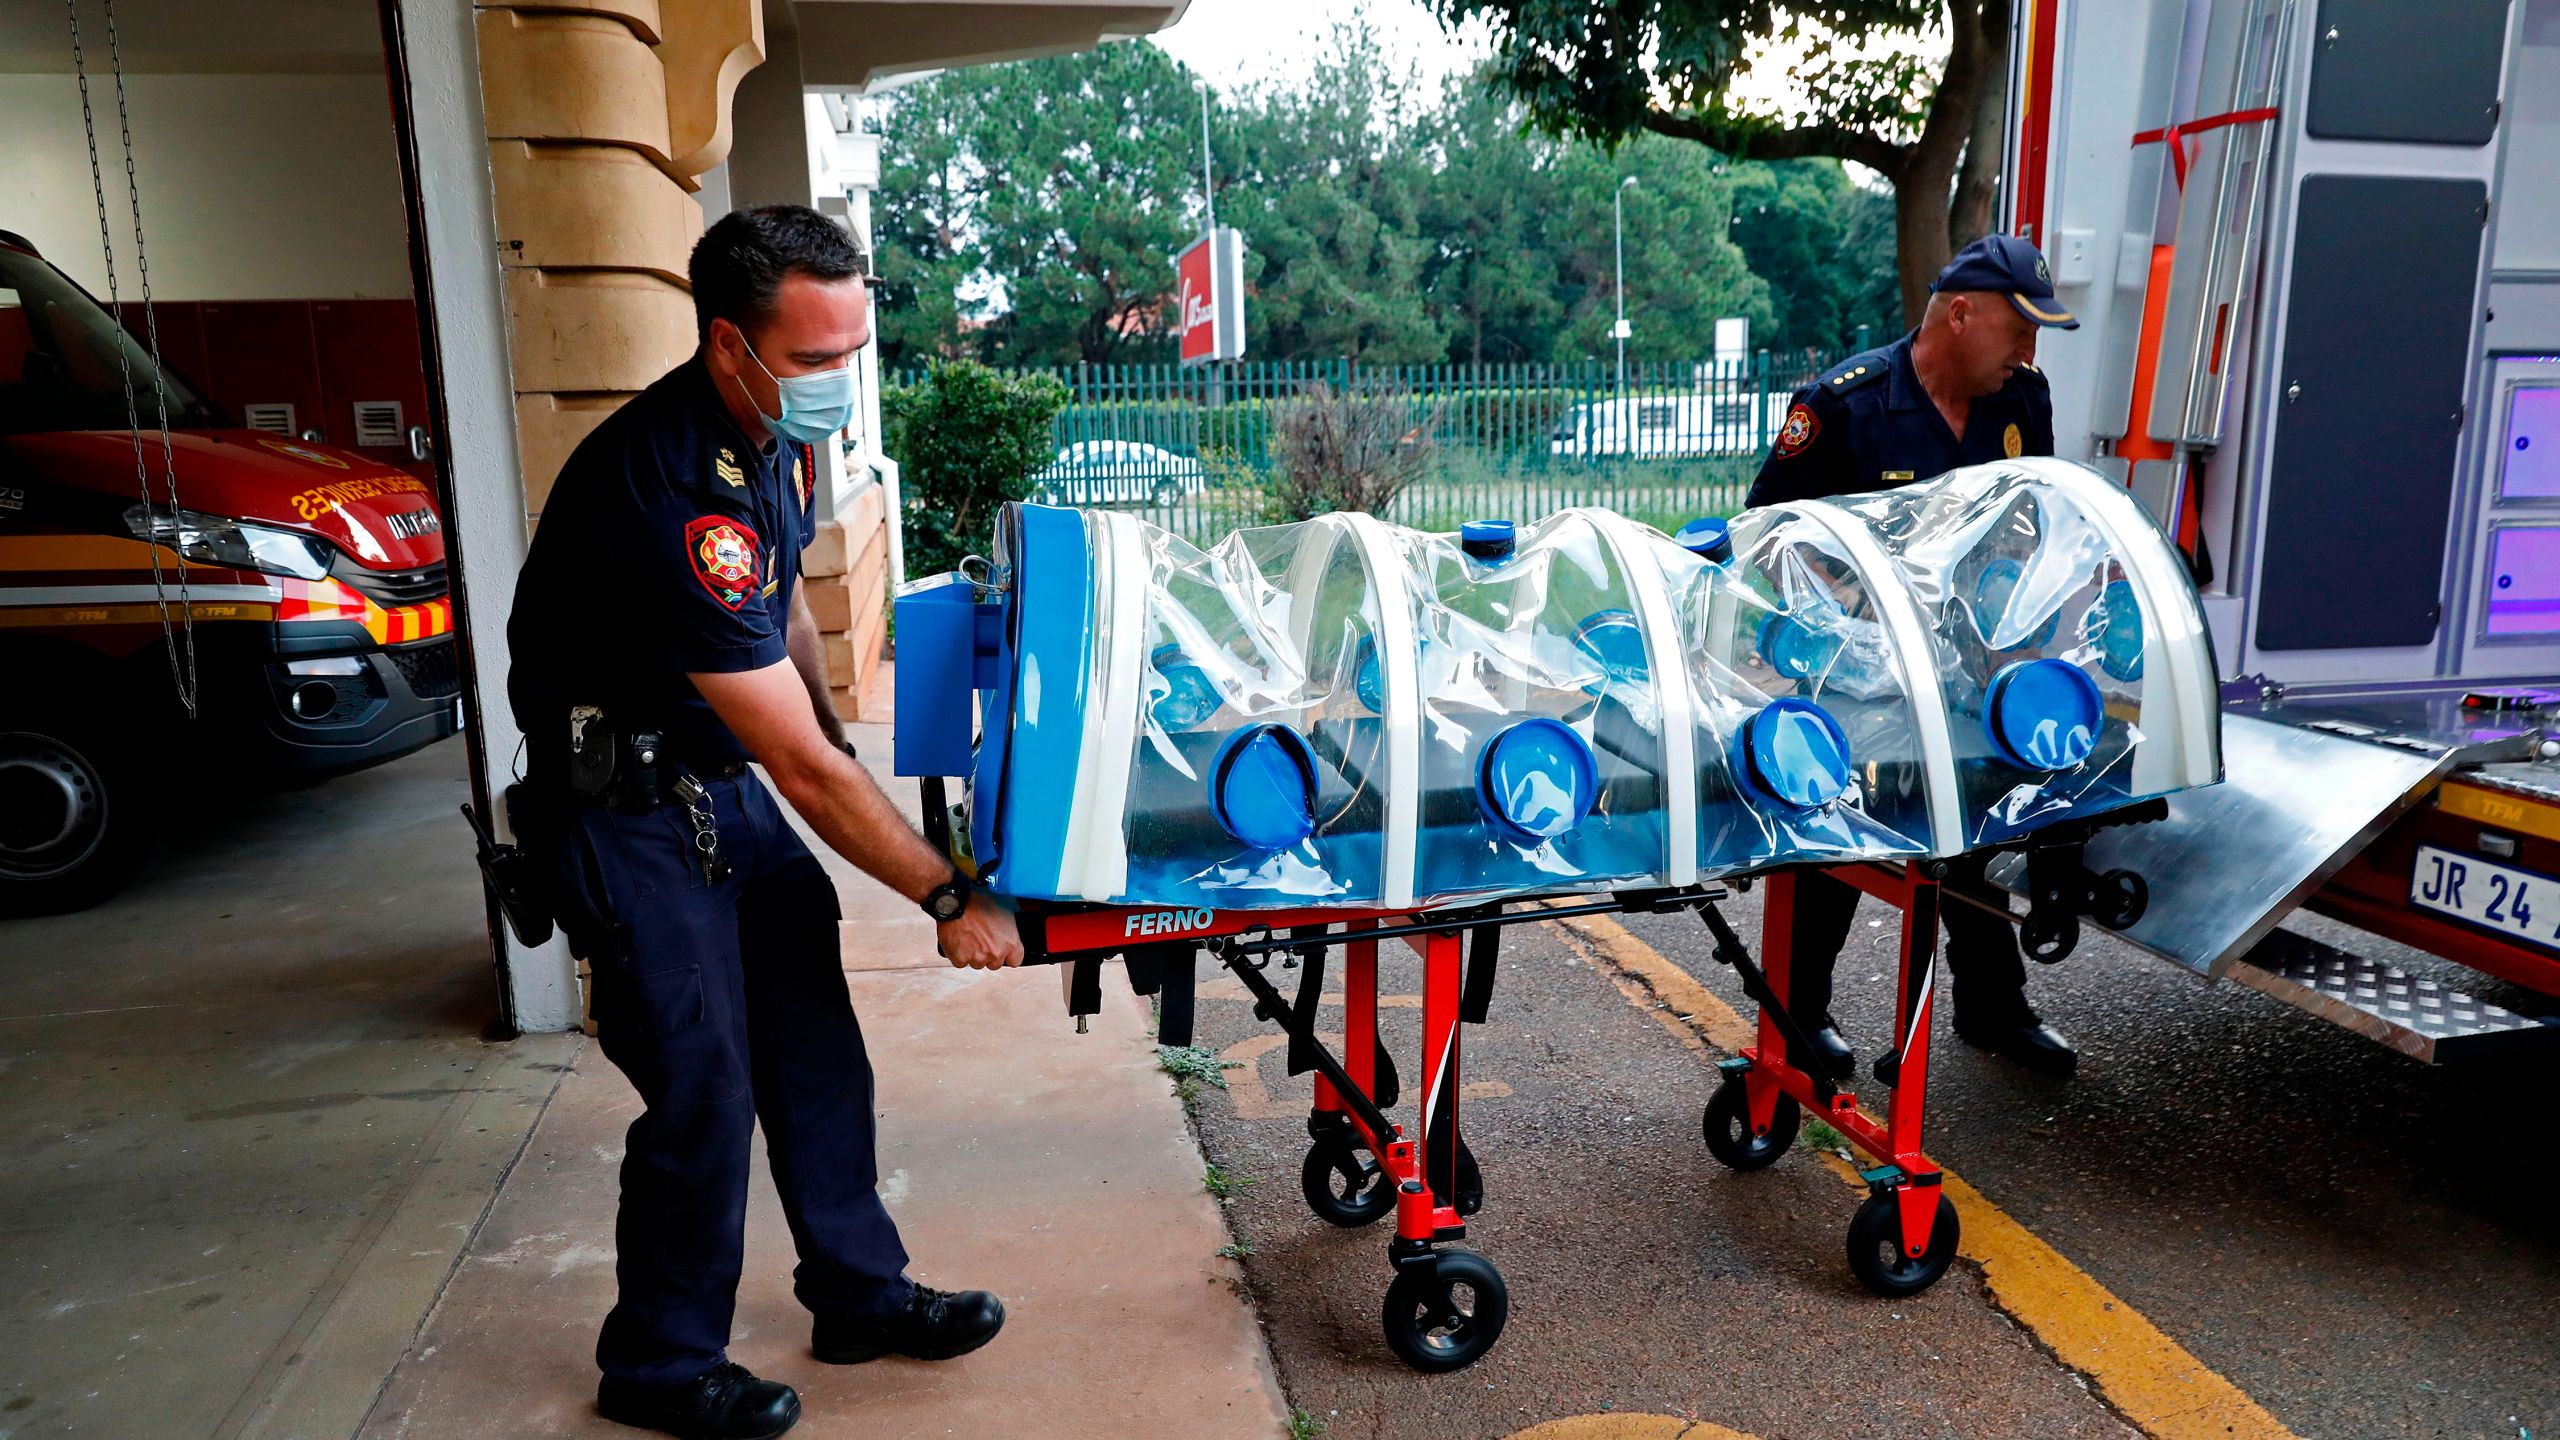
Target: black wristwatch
[{"x": 948, "y": 900}]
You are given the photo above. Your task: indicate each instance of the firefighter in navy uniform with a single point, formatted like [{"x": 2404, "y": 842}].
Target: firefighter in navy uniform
[
  {"x": 1961, "y": 390},
  {"x": 660, "y": 643}
]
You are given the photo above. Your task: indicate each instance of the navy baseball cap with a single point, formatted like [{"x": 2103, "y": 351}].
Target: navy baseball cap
[{"x": 2014, "y": 268}]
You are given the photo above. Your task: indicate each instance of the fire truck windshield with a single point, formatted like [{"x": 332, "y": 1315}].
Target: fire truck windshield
[{"x": 58, "y": 360}]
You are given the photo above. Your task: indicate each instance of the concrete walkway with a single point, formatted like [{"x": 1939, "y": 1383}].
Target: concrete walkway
[{"x": 1017, "y": 1155}]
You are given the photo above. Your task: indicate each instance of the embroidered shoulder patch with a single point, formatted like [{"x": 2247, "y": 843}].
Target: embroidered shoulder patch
[
  {"x": 723, "y": 553},
  {"x": 1798, "y": 432}
]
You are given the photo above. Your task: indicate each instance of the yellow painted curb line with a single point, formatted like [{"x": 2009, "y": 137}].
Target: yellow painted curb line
[
  {"x": 1628, "y": 1427},
  {"x": 2150, "y": 1378}
]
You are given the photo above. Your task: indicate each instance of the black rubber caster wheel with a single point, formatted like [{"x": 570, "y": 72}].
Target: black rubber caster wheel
[
  {"x": 1876, "y": 1256},
  {"x": 1728, "y": 1125},
  {"x": 1345, "y": 1185},
  {"x": 2119, "y": 898},
  {"x": 1445, "y": 1315}
]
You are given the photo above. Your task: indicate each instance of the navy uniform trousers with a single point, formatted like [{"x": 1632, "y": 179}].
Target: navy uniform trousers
[
  {"x": 1982, "y": 950},
  {"x": 725, "y": 1005}
]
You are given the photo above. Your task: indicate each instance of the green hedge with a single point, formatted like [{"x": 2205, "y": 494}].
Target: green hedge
[{"x": 967, "y": 439}]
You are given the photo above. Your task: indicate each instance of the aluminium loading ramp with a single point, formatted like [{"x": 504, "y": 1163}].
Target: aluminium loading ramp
[{"x": 2306, "y": 787}]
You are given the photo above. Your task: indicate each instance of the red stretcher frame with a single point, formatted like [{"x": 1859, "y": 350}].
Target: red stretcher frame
[{"x": 1903, "y": 1169}]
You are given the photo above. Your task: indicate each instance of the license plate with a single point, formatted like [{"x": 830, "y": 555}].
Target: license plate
[{"x": 2494, "y": 897}]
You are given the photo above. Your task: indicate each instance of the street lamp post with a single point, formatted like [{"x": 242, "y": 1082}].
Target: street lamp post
[{"x": 1618, "y": 204}]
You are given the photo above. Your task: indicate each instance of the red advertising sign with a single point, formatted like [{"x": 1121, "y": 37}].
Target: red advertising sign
[
  {"x": 1208, "y": 294},
  {"x": 1195, "y": 299}
]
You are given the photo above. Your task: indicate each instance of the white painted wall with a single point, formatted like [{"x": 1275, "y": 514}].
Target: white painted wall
[{"x": 254, "y": 187}]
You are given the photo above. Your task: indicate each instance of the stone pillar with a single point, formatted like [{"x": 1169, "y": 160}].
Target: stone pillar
[{"x": 600, "y": 116}]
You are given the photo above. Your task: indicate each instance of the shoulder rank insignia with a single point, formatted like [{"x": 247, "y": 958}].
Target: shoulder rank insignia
[
  {"x": 723, "y": 553},
  {"x": 1798, "y": 432},
  {"x": 1855, "y": 371},
  {"x": 726, "y": 467}
]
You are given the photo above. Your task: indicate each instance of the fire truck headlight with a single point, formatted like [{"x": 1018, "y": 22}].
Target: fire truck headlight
[{"x": 216, "y": 540}]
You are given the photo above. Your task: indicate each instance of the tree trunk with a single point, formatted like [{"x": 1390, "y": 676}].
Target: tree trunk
[
  {"x": 1924, "y": 186},
  {"x": 1920, "y": 247},
  {"x": 1978, "y": 181}
]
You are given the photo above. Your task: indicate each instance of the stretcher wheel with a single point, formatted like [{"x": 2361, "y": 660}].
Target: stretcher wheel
[
  {"x": 2118, "y": 898},
  {"x": 1876, "y": 1256},
  {"x": 1345, "y": 1185},
  {"x": 1444, "y": 1315},
  {"x": 1728, "y": 1126},
  {"x": 2049, "y": 935}
]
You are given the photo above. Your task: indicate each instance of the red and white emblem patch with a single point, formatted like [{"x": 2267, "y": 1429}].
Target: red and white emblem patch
[
  {"x": 1798, "y": 432},
  {"x": 723, "y": 552}
]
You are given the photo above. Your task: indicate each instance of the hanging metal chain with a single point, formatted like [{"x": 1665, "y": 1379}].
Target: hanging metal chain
[{"x": 182, "y": 676}]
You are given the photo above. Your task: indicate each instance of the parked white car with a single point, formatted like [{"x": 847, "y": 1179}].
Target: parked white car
[
  {"x": 1670, "y": 425},
  {"x": 1109, "y": 472}
]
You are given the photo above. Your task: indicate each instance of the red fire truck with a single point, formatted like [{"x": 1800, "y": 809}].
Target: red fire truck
[{"x": 204, "y": 602}]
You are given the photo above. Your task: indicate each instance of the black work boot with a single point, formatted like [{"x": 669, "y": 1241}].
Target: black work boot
[
  {"x": 2025, "y": 1039},
  {"x": 722, "y": 1403},
  {"x": 932, "y": 1325},
  {"x": 1831, "y": 1053}
]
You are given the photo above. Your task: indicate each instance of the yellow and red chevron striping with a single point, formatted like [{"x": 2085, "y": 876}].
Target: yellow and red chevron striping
[{"x": 330, "y": 600}]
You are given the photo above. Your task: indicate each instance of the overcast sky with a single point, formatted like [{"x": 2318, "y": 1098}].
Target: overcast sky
[{"x": 1240, "y": 42}]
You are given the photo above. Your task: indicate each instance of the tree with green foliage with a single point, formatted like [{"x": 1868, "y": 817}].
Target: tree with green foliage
[
  {"x": 921, "y": 239},
  {"x": 967, "y": 439},
  {"x": 1090, "y": 189},
  {"x": 1799, "y": 223},
  {"x": 1682, "y": 272},
  {"x": 1329, "y": 185},
  {"x": 1608, "y": 70},
  {"x": 1490, "y": 222},
  {"x": 1056, "y": 188}
]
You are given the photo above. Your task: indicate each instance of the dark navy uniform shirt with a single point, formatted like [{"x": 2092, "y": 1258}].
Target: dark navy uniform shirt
[
  {"x": 1865, "y": 424},
  {"x": 668, "y": 547}
]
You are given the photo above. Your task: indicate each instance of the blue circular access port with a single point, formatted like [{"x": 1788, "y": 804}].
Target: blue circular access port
[
  {"x": 1367, "y": 680},
  {"x": 2043, "y": 714},
  {"x": 1189, "y": 697},
  {"x": 1793, "y": 754},
  {"x": 1991, "y": 592},
  {"x": 1536, "y": 780},
  {"x": 1795, "y": 650},
  {"x": 1488, "y": 539},
  {"x": 1262, "y": 787},
  {"x": 1615, "y": 642},
  {"x": 1708, "y": 539},
  {"x": 2116, "y": 625}
]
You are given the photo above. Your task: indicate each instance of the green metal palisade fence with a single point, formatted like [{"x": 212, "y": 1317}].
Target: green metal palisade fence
[{"x": 1190, "y": 449}]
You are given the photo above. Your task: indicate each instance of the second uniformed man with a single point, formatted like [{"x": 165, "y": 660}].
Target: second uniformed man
[
  {"x": 660, "y": 643},
  {"x": 1962, "y": 389}
]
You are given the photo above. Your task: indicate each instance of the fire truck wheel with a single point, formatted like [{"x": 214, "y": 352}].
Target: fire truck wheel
[
  {"x": 1345, "y": 1185},
  {"x": 1445, "y": 1315},
  {"x": 1728, "y": 1125},
  {"x": 74, "y": 815},
  {"x": 1876, "y": 1255}
]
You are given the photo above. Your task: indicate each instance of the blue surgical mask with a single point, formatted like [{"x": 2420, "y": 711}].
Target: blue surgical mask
[{"x": 814, "y": 406}]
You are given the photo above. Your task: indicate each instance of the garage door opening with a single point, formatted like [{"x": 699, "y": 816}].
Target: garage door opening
[{"x": 245, "y": 974}]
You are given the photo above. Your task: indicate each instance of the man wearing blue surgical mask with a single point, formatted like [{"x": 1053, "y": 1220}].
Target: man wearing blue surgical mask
[{"x": 661, "y": 643}]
